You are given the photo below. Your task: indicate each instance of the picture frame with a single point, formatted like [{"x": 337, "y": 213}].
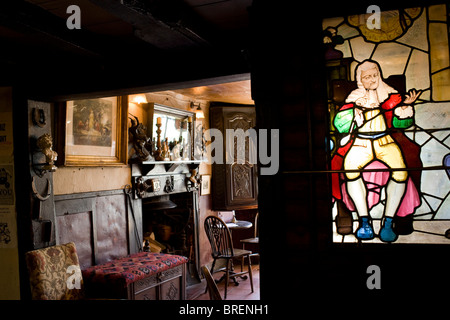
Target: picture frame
[
  {"x": 205, "y": 187},
  {"x": 93, "y": 132}
]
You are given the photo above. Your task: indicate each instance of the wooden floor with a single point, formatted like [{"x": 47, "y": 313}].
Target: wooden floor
[{"x": 241, "y": 292}]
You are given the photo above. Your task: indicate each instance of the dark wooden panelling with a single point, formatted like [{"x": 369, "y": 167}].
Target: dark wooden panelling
[
  {"x": 77, "y": 228},
  {"x": 99, "y": 223},
  {"x": 112, "y": 238},
  {"x": 75, "y": 220},
  {"x": 204, "y": 211}
]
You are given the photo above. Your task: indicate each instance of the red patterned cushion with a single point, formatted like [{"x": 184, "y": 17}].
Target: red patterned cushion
[{"x": 132, "y": 268}]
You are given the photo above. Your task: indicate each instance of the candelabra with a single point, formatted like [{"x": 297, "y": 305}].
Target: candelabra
[{"x": 158, "y": 151}]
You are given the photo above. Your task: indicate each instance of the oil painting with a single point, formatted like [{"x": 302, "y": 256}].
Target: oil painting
[
  {"x": 93, "y": 122},
  {"x": 95, "y": 132}
]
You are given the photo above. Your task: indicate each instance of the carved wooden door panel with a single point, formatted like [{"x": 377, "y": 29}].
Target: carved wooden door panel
[{"x": 234, "y": 183}]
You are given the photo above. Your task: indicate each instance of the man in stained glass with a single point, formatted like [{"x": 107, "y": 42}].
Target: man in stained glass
[{"x": 370, "y": 111}]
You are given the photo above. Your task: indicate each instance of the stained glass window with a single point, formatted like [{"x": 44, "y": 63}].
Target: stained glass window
[{"x": 389, "y": 112}]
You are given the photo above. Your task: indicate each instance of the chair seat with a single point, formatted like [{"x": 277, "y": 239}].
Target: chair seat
[
  {"x": 237, "y": 253},
  {"x": 250, "y": 240},
  {"x": 241, "y": 252}
]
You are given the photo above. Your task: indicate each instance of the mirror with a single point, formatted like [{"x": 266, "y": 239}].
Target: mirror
[
  {"x": 176, "y": 132},
  {"x": 174, "y": 123}
]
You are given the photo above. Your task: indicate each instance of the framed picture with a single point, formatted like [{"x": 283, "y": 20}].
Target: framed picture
[
  {"x": 205, "y": 185},
  {"x": 93, "y": 132}
]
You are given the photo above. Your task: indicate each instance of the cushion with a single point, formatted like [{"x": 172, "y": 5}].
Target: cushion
[
  {"x": 131, "y": 268},
  {"x": 55, "y": 273}
]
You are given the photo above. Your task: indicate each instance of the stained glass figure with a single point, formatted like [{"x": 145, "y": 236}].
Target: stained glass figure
[
  {"x": 389, "y": 111},
  {"x": 370, "y": 111}
]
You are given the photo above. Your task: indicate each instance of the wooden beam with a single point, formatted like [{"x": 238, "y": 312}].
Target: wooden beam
[
  {"x": 162, "y": 34},
  {"x": 29, "y": 19}
]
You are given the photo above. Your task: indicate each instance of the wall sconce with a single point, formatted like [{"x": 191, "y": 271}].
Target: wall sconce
[
  {"x": 198, "y": 110},
  {"x": 138, "y": 98}
]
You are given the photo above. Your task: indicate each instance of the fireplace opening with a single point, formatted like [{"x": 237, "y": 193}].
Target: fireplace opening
[{"x": 169, "y": 226}]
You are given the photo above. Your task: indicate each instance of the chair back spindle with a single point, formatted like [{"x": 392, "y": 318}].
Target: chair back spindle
[{"x": 219, "y": 237}]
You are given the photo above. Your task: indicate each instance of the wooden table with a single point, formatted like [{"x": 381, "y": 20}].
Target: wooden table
[{"x": 239, "y": 224}]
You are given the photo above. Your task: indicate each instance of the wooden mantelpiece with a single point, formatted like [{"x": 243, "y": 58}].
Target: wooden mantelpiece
[
  {"x": 145, "y": 167},
  {"x": 156, "y": 178}
]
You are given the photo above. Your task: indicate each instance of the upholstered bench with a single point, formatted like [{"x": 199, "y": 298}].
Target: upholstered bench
[{"x": 140, "y": 276}]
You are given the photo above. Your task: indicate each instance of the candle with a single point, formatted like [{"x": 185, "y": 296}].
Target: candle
[
  {"x": 189, "y": 119},
  {"x": 158, "y": 120}
]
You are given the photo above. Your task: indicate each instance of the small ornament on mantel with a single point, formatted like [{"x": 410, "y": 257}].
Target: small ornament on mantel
[
  {"x": 166, "y": 150},
  {"x": 176, "y": 152},
  {"x": 186, "y": 149},
  {"x": 142, "y": 144}
]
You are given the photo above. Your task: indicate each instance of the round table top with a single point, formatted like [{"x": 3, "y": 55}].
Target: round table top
[{"x": 239, "y": 224}]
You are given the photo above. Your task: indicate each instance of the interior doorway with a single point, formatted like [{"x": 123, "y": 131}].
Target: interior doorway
[{"x": 197, "y": 97}]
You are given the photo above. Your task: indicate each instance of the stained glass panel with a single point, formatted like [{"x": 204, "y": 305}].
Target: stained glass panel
[{"x": 389, "y": 111}]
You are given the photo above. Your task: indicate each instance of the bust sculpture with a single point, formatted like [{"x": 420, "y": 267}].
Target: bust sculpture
[{"x": 45, "y": 144}]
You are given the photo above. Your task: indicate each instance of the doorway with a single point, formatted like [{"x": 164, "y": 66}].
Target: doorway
[{"x": 197, "y": 97}]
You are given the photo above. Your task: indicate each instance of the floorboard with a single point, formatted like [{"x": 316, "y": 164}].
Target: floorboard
[{"x": 240, "y": 292}]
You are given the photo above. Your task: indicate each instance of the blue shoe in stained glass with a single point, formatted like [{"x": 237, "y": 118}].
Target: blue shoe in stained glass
[
  {"x": 387, "y": 233},
  {"x": 365, "y": 231}
]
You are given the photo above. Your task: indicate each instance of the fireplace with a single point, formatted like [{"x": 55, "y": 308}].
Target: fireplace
[{"x": 169, "y": 194}]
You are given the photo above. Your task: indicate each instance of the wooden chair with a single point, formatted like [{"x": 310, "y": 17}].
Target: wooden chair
[
  {"x": 219, "y": 237},
  {"x": 55, "y": 273},
  {"x": 254, "y": 240},
  {"x": 211, "y": 285}
]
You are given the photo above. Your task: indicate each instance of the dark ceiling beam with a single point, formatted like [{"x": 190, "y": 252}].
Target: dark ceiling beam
[
  {"x": 32, "y": 20},
  {"x": 162, "y": 34},
  {"x": 35, "y": 41},
  {"x": 49, "y": 37},
  {"x": 142, "y": 74}
]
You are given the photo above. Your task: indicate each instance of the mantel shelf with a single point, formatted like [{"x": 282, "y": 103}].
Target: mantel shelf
[
  {"x": 172, "y": 162},
  {"x": 170, "y": 166}
]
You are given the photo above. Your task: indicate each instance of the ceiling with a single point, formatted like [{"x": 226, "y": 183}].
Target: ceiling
[
  {"x": 122, "y": 44},
  {"x": 231, "y": 92},
  {"x": 236, "y": 92}
]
